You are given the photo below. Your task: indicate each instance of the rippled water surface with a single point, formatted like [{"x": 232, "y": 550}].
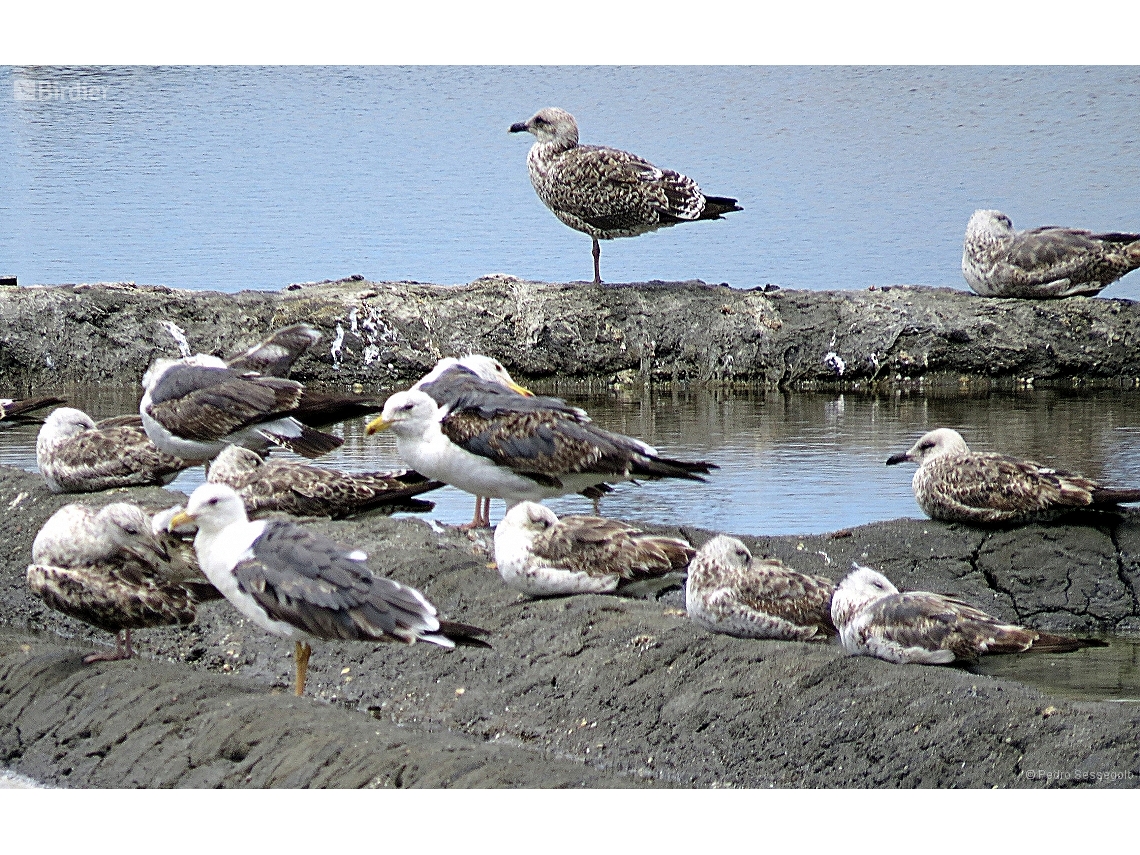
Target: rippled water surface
[{"x": 230, "y": 178}]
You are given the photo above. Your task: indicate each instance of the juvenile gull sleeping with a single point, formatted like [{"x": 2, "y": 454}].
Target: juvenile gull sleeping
[
  {"x": 874, "y": 619},
  {"x": 77, "y": 455},
  {"x": 731, "y": 592},
  {"x": 498, "y": 444},
  {"x": 1048, "y": 261},
  {"x": 108, "y": 569},
  {"x": 304, "y": 490},
  {"x": 605, "y": 192},
  {"x": 539, "y": 554},
  {"x": 955, "y": 484},
  {"x": 299, "y": 585}
]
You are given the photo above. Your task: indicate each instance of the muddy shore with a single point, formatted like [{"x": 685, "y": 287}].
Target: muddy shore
[
  {"x": 383, "y": 335},
  {"x": 579, "y": 691}
]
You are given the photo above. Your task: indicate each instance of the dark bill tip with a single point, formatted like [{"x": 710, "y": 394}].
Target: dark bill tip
[
  {"x": 518, "y": 127},
  {"x": 897, "y": 458}
]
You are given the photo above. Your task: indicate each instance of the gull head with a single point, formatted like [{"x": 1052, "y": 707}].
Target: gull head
[
  {"x": 490, "y": 369},
  {"x": 213, "y": 507},
  {"x": 406, "y": 414},
  {"x": 862, "y": 587},
  {"x": 934, "y": 444},
  {"x": 128, "y": 527},
  {"x": 723, "y": 552},
  {"x": 233, "y": 462},
  {"x": 63, "y": 424},
  {"x": 528, "y": 518},
  {"x": 988, "y": 225},
  {"x": 550, "y": 124}
]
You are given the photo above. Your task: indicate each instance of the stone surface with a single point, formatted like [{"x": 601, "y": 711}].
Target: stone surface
[
  {"x": 383, "y": 335},
  {"x": 587, "y": 690}
]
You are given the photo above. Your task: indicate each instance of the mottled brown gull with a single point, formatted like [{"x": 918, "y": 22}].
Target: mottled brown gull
[
  {"x": 731, "y": 592},
  {"x": 77, "y": 455},
  {"x": 919, "y": 627},
  {"x": 955, "y": 484},
  {"x": 1048, "y": 261},
  {"x": 541, "y": 555},
  {"x": 107, "y": 568},
  {"x": 299, "y": 585},
  {"x": 304, "y": 490},
  {"x": 605, "y": 192}
]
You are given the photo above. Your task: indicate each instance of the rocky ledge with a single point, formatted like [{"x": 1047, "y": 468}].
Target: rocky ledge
[
  {"x": 384, "y": 334},
  {"x": 578, "y": 691}
]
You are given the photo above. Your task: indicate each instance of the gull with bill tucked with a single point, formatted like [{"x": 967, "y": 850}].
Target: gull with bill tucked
[{"x": 875, "y": 619}]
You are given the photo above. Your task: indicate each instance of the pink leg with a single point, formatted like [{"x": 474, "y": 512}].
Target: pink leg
[
  {"x": 477, "y": 520},
  {"x": 120, "y": 651}
]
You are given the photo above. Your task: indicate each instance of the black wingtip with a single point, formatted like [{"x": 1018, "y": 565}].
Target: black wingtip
[
  {"x": 464, "y": 634},
  {"x": 311, "y": 443}
]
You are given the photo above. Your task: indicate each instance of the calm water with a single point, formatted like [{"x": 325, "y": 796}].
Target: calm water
[
  {"x": 790, "y": 464},
  {"x": 230, "y": 178}
]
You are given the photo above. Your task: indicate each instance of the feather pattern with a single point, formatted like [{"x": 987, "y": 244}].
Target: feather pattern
[
  {"x": 731, "y": 592},
  {"x": 875, "y": 619},
  {"x": 1048, "y": 261},
  {"x": 954, "y": 484}
]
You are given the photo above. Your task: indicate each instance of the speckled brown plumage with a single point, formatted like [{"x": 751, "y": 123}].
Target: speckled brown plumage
[
  {"x": 77, "y": 455},
  {"x": 1048, "y": 261},
  {"x": 875, "y": 619},
  {"x": 605, "y": 192},
  {"x": 731, "y": 592},
  {"x": 304, "y": 490},
  {"x": 955, "y": 484},
  {"x": 540, "y": 554},
  {"x": 108, "y": 569}
]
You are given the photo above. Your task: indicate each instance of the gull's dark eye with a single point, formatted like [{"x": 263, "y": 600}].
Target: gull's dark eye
[
  {"x": 925, "y": 446},
  {"x": 213, "y": 501},
  {"x": 407, "y": 406},
  {"x": 538, "y": 120},
  {"x": 742, "y": 554}
]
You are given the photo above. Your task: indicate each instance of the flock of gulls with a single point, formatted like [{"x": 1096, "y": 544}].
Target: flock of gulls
[{"x": 468, "y": 424}]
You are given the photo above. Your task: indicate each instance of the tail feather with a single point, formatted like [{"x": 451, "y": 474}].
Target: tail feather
[
  {"x": 27, "y": 405},
  {"x": 1048, "y": 643},
  {"x": 464, "y": 634},
  {"x": 663, "y": 467},
  {"x": 715, "y": 206},
  {"x": 321, "y": 409},
  {"x": 1114, "y": 496},
  {"x": 311, "y": 443}
]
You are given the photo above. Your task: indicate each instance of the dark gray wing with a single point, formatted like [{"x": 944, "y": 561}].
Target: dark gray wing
[
  {"x": 544, "y": 444},
  {"x": 208, "y": 404},
  {"x": 459, "y": 387},
  {"x": 313, "y": 583},
  {"x": 275, "y": 356}
]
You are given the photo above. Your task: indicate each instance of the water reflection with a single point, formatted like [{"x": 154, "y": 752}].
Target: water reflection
[{"x": 789, "y": 463}]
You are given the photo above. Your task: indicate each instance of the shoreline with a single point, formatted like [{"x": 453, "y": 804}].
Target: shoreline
[{"x": 589, "y": 690}]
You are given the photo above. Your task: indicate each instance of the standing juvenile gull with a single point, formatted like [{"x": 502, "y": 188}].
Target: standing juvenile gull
[
  {"x": 517, "y": 448},
  {"x": 955, "y": 484},
  {"x": 76, "y": 455},
  {"x": 605, "y": 192},
  {"x": 16, "y": 409},
  {"x": 539, "y": 554},
  {"x": 196, "y": 406},
  {"x": 731, "y": 592},
  {"x": 1048, "y": 261},
  {"x": 874, "y": 619},
  {"x": 304, "y": 490},
  {"x": 300, "y": 585},
  {"x": 108, "y": 569}
]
